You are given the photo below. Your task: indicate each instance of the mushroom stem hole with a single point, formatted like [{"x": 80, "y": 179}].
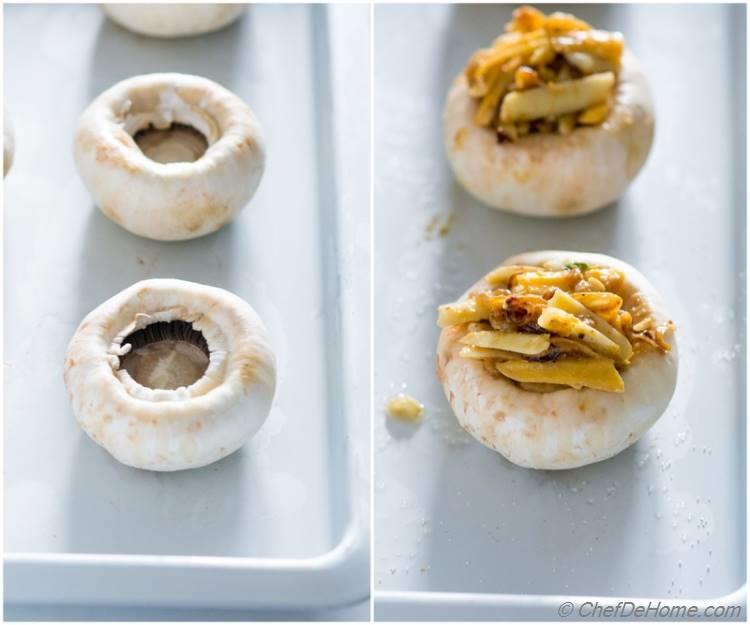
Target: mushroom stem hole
[
  {"x": 166, "y": 355},
  {"x": 179, "y": 143}
]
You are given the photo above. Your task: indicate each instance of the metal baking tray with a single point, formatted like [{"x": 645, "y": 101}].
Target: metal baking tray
[
  {"x": 285, "y": 521},
  {"x": 460, "y": 533}
]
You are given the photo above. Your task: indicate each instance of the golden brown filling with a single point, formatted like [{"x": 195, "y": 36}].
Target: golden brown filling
[
  {"x": 556, "y": 326},
  {"x": 547, "y": 73}
]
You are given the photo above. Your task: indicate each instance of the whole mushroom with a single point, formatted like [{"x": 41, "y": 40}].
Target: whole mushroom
[
  {"x": 169, "y": 375},
  {"x": 555, "y": 119},
  {"x": 169, "y": 156},
  {"x": 558, "y": 359},
  {"x": 173, "y": 20}
]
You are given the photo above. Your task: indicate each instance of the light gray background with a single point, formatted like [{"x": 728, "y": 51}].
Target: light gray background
[
  {"x": 666, "y": 518},
  {"x": 284, "y": 494}
]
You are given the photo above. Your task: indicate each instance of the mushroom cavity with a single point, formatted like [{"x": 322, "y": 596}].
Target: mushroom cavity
[
  {"x": 170, "y": 375},
  {"x": 166, "y": 355},
  {"x": 176, "y": 144},
  {"x": 169, "y": 156}
]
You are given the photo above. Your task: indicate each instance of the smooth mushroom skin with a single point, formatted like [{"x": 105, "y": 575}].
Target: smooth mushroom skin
[
  {"x": 188, "y": 427},
  {"x": 548, "y": 174},
  {"x": 178, "y": 200},
  {"x": 567, "y": 428},
  {"x": 173, "y": 20},
  {"x": 8, "y": 145}
]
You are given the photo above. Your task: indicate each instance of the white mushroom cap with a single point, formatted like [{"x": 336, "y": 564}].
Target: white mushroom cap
[
  {"x": 172, "y": 20},
  {"x": 169, "y": 200},
  {"x": 164, "y": 429},
  {"x": 8, "y": 145},
  {"x": 567, "y": 428},
  {"x": 548, "y": 174}
]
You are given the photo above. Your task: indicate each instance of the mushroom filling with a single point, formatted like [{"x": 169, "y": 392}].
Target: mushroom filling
[
  {"x": 546, "y": 74},
  {"x": 166, "y": 355},
  {"x": 178, "y": 143},
  {"x": 556, "y": 326}
]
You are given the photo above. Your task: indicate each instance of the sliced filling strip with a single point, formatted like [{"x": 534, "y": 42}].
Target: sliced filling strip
[
  {"x": 556, "y": 326},
  {"x": 546, "y": 74}
]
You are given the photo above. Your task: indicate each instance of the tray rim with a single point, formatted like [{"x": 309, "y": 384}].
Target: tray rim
[
  {"x": 451, "y": 606},
  {"x": 296, "y": 582},
  {"x": 334, "y": 578}
]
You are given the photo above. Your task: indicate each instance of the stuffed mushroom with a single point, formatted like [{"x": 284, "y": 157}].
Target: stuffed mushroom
[
  {"x": 555, "y": 119},
  {"x": 558, "y": 359},
  {"x": 8, "y": 145},
  {"x": 169, "y": 156},
  {"x": 172, "y": 20},
  {"x": 170, "y": 375}
]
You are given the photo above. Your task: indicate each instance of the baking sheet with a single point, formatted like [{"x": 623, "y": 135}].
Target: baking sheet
[
  {"x": 289, "y": 508},
  {"x": 461, "y": 533}
]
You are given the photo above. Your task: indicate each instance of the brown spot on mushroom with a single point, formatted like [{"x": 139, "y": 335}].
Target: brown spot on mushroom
[
  {"x": 440, "y": 373},
  {"x": 249, "y": 143},
  {"x": 106, "y": 155},
  {"x": 499, "y": 415},
  {"x": 111, "y": 212},
  {"x": 124, "y": 138},
  {"x": 107, "y": 418},
  {"x": 248, "y": 373},
  {"x": 569, "y": 205},
  {"x": 459, "y": 138},
  {"x": 522, "y": 175},
  {"x": 196, "y": 214}
]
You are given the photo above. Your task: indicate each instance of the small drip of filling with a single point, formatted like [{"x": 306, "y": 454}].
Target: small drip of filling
[
  {"x": 404, "y": 407},
  {"x": 556, "y": 326},
  {"x": 166, "y": 355},
  {"x": 546, "y": 74},
  {"x": 176, "y": 144}
]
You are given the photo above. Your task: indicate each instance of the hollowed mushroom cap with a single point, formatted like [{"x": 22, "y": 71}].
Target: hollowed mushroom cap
[
  {"x": 172, "y": 20},
  {"x": 548, "y": 174},
  {"x": 567, "y": 428},
  {"x": 177, "y": 200},
  {"x": 191, "y": 426},
  {"x": 8, "y": 145}
]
